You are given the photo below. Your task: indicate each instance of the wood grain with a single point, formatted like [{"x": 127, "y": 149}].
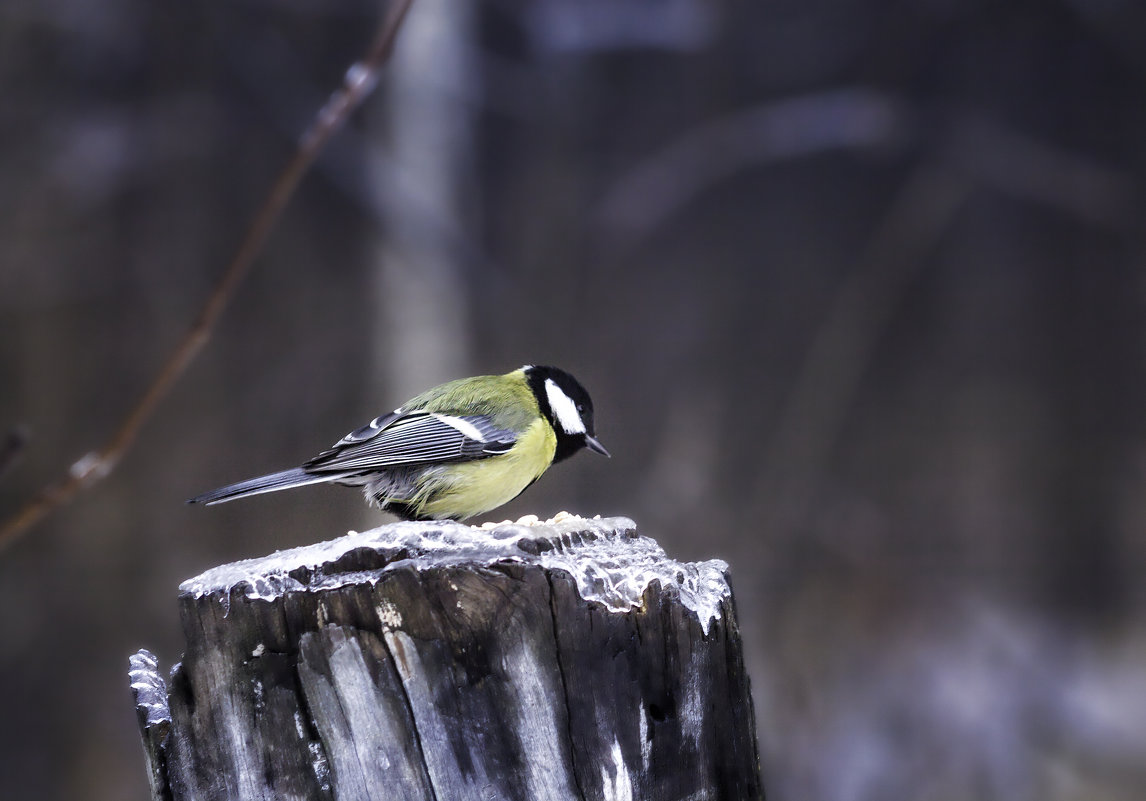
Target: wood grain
[{"x": 565, "y": 661}]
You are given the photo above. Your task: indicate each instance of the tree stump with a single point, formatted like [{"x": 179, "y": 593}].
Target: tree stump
[{"x": 570, "y": 660}]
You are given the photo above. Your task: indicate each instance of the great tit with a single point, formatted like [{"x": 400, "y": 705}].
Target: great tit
[{"x": 455, "y": 451}]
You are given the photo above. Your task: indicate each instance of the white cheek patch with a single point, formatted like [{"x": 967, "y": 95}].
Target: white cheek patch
[
  {"x": 464, "y": 426},
  {"x": 564, "y": 409}
]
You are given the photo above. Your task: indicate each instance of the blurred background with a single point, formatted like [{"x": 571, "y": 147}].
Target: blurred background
[{"x": 857, "y": 288}]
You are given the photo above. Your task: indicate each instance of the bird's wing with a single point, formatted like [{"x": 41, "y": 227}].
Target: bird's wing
[{"x": 413, "y": 438}]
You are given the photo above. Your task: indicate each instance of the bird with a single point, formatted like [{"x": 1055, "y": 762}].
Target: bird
[{"x": 453, "y": 452}]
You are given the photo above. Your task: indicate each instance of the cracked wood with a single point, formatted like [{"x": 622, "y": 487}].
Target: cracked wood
[{"x": 564, "y": 661}]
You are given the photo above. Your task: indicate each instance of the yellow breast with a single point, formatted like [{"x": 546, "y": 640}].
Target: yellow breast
[{"x": 476, "y": 487}]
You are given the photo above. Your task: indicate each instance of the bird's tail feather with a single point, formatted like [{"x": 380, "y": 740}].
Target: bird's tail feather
[{"x": 273, "y": 482}]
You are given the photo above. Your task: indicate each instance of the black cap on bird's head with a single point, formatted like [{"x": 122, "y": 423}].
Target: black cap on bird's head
[{"x": 567, "y": 407}]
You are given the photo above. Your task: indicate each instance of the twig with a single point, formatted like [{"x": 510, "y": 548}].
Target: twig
[{"x": 91, "y": 468}]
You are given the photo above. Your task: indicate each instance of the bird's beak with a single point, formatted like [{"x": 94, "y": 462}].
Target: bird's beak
[{"x": 592, "y": 444}]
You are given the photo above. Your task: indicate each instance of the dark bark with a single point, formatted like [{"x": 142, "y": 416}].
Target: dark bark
[{"x": 567, "y": 660}]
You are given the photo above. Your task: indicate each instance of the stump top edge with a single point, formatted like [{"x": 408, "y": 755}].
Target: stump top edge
[{"x": 610, "y": 563}]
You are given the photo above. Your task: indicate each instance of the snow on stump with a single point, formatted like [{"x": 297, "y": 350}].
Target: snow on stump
[{"x": 569, "y": 660}]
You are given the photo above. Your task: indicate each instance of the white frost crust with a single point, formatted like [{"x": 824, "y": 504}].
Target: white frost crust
[
  {"x": 608, "y": 564},
  {"x": 149, "y": 687}
]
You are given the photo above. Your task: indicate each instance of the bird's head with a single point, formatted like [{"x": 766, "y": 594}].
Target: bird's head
[{"x": 567, "y": 407}]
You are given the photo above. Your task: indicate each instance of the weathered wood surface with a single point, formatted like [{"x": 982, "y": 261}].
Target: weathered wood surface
[{"x": 566, "y": 661}]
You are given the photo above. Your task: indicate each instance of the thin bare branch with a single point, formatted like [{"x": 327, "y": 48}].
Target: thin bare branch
[{"x": 88, "y": 470}]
